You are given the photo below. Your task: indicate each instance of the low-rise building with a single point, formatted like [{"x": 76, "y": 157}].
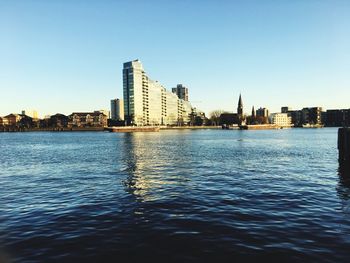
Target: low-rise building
[
  {"x": 11, "y": 119},
  {"x": 25, "y": 121},
  {"x": 106, "y": 112},
  {"x": 4, "y": 121},
  {"x": 58, "y": 121},
  {"x": 87, "y": 119},
  {"x": 229, "y": 118},
  {"x": 281, "y": 119},
  {"x": 337, "y": 118},
  {"x": 197, "y": 117},
  {"x": 312, "y": 115}
]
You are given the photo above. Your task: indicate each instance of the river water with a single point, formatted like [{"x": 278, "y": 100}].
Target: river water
[{"x": 173, "y": 196}]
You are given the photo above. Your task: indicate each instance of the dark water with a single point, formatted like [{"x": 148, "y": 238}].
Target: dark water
[{"x": 174, "y": 196}]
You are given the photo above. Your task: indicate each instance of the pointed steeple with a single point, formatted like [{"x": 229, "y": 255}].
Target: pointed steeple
[
  {"x": 240, "y": 103},
  {"x": 253, "y": 112},
  {"x": 240, "y": 106}
]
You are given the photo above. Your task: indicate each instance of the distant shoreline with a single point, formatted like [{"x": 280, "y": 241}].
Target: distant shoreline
[
  {"x": 99, "y": 129},
  {"x": 102, "y": 129},
  {"x": 95, "y": 129},
  {"x": 189, "y": 127}
]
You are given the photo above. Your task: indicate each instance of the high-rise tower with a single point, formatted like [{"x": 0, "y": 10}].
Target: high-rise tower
[
  {"x": 181, "y": 91},
  {"x": 135, "y": 89},
  {"x": 147, "y": 102},
  {"x": 117, "y": 109}
]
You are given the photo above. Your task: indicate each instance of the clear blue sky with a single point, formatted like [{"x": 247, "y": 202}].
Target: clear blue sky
[{"x": 64, "y": 56}]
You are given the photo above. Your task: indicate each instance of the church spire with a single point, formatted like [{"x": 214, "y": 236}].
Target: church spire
[
  {"x": 240, "y": 103},
  {"x": 253, "y": 112},
  {"x": 240, "y": 106}
]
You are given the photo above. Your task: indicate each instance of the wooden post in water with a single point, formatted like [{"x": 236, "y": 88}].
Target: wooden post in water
[{"x": 344, "y": 147}]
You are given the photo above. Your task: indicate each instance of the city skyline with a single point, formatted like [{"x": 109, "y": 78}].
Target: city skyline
[{"x": 69, "y": 58}]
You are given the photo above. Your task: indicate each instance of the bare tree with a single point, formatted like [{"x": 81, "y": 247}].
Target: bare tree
[{"x": 214, "y": 116}]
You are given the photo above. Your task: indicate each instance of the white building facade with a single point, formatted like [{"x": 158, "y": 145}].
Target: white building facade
[
  {"x": 281, "y": 119},
  {"x": 147, "y": 102}
]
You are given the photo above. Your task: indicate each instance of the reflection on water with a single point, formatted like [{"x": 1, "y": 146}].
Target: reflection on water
[
  {"x": 147, "y": 163},
  {"x": 174, "y": 196},
  {"x": 132, "y": 157},
  {"x": 138, "y": 158}
]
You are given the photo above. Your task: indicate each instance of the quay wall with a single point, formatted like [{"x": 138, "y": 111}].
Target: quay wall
[{"x": 344, "y": 147}]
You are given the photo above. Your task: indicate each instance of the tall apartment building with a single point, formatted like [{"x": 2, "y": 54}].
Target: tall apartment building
[
  {"x": 114, "y": 109},
  {"x": 117, "y": 110},
  {"x": 134, "y": 86},
  {"x": 147, "y": 102},
  {"x": 181, "y": 91}
]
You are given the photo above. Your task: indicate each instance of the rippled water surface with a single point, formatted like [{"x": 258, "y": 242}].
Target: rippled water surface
[{"x": 173, "y": 196}]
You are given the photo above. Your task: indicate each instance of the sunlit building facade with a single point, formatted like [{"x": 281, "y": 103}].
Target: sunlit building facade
[
  {"x": 155, "y": 115},
  {"x": 87, "y": 119},
  {"x": 117, "y": 110},
  {"x": 172, "y": 108},
  {"x": 147, "y": 102},
  {"x": 187, "y": 110},
  {"x": 135, "y": 86},
  {"x": 281, "y": 119}
]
